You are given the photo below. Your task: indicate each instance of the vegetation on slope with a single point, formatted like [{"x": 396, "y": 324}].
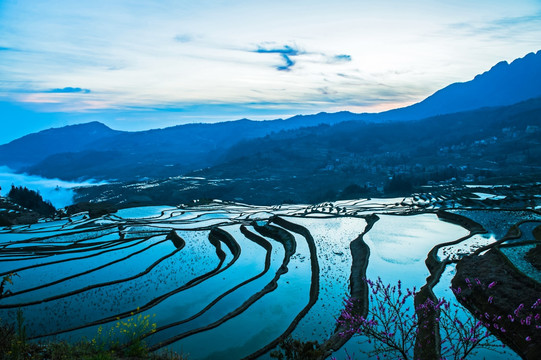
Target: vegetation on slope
[
  {"x": 31, "y": 199},
  {"x": 326, "y": 163}
]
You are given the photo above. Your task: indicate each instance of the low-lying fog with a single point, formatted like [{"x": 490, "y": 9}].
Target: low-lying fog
[{"x": 59, "y": 192}]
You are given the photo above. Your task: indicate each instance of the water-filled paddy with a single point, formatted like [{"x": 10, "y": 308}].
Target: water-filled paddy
[
  {"x": 399, "y": 246},
  {"x": 229, "y": 275}
]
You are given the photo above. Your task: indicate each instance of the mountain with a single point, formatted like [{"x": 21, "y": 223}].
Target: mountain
[
  {"x": 481, "y": 138},
  {"x": 95, "y": 151},
  {"x": 504, "y": 84},
  {"x": 356, "y": 159},
  {"x": 35, "y": 147}
]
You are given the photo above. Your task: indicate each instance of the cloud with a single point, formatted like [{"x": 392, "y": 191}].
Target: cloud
[
  {"x": 183, "y": 38},
  {"x": 3, "y": 48},
  {"x": 499, "y": 28},
  {"x": 69, "y": 90},
  {"x": 517, "y": 20},
  {"x": 349, "y": 76},
  {"x": 341, "y": 58},
  {"x": 289, "y": 63},
  {"x": 335, "y": 59},
  {"x": 285, "y": 52}
]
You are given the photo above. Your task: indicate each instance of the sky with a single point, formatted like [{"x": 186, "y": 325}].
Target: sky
[{"x": 137, "y": 65}]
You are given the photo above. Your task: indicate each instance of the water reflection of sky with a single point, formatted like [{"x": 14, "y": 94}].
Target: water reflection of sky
[
  {"x": 398, "y": 248},
  {"x": 399, "y": 244},
  {"x": 60, "y": 193}
]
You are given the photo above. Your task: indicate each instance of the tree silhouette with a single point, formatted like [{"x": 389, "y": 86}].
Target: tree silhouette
[{"x": 31, "y": 199}]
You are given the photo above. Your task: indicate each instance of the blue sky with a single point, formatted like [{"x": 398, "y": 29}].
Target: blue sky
[{"x": 146, "y": 64}]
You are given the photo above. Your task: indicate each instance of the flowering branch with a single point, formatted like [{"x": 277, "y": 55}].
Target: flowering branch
[{"x": 393, "y": 325}]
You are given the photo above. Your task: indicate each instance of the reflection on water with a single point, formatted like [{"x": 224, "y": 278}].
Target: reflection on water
[{"x": 226, "y": 292}]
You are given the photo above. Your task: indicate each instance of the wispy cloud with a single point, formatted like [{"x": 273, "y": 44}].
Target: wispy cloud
[
  {"x": 285, "y": 52},
  {"x": 342, "y": 58},
  {"x": 499, "y": 28},
  {"x": 68, "y": 90},
  {"x": 518, "y": 20},
  {"x": 288, "y": 63},
  {"x": 184, "y": 38}
]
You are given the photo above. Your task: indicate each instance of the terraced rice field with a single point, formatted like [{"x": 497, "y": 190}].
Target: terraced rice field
[{"x": 227, "y": 280}]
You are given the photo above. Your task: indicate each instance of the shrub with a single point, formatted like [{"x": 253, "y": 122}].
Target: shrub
[
  {"x": 392, "y": 324},
  {"x": 126, "y": 336}
]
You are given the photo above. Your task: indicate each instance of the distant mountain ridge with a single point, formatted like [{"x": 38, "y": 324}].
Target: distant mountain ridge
[
  {"x": 504, "y": 84},
  {"x": 35, "y": 147},
  {"x": 93, "y": 150},
  {"x": 70, "y": 151},
  {"x": 355, "y": 159}
]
